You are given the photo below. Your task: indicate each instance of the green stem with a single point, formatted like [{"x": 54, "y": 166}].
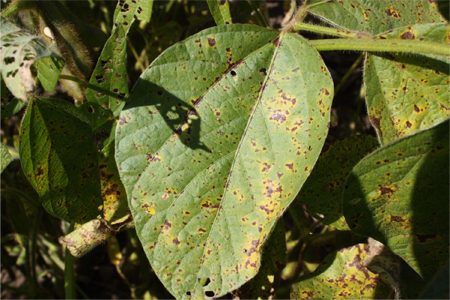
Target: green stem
[
  {"x": 69, "y": 284},
  {"x": 388, "y": 45},
  {"x": 348, "y": 73},
  {"x": 32, "y": 245},
  {"x": 331, "y": 31}
]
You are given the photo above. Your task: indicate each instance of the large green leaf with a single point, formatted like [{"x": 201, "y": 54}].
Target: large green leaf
[
  {"x": 219, "y": 135},
  {"x": 19, "y": 50},
  {"x": 399, "y": 196},
  {"x": 406, "y": 94},
  {"x": 322, "y": 191},
  {"x": 342, "y": 275},
  {"x": 60, "y": 160},
  {"x": 375, "y": 17},
  {"x": 109, "y": 76}
]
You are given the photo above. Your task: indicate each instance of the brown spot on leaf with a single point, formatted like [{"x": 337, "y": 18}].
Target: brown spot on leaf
[
  {"x": 384, "y": 190},
  {"x": 176, "y": 241},
  {"x": 408, "y": 36},
  {"x": 211, "y": 42},
  {"x": 398, "y": 219}
]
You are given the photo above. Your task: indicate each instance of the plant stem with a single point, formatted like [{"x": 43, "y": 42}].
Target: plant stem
[
  {"x": 331, "y": 31},
  {"x": 69, "y": 284},
  {"x": 388, "y": 45},
  {"x": 348, "y": 73}
]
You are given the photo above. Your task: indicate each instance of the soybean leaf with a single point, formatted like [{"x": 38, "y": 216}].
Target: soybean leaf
[
  {"x": 6, "y": 158},
  {"x": 322, "y": 191},
  {"x": 342, "y": 275},
  {"x": 49, "y": 69},
  {"x": 375, "y": 17},
  {"x": 398, "y": 195},
  {"x": 247, "y": 109},
  {"x": 60, "y": 160},
  {"x": 264, "y": 284},
  {"x": 406, "y": 94},
  {"x": 220, "y": 10},
  {"x": 438, "y": 288},
  {"x": 111, "y": 68},
  {"x": 115, "y": 205},
  {"x": 10, "y": 105},
  {"x": 19, "y": 50}
]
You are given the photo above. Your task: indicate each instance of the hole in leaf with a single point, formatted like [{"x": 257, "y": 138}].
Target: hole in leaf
[
  {"x": 233, "y": 73},
  {"x": 263, "y": 71},
  {"x": 90, "y": 109},
  {"x": 9, "y": 60},
  {"x": 204, "y": 281},
  {"x": 209, "y": 293},
  {"x": 188, "y": 293}
]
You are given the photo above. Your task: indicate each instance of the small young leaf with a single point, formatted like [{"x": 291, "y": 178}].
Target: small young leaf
[
  {"x": 342, "y": 275},
  {"x": 60, "y": 160},
  {"x": 220, "y": 10},
  {"x": 49, "y": 69},
  {"x": 219, "y": 135},
  {"x": 398, "y": 195}
]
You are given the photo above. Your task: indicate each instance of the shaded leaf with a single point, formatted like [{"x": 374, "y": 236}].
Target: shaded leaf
[
  {"x": 342, "y": 275},
  {"x": 264, "y": 284},
  {"x": 438, "y": 287},
  {"x": 406, "y": 94},
  {"x": 60, "y": 160},
  {"x": 19, "y": 50},
  {"x": 5, "y": 158},
  {"x": 219, "y": 135},
  {"x": 220, "y": 10},
  {"x": 375, "y": 17},
  {"x": 111, "y": 68},
  {"x": 322, "y": 191},
  {"x": 115, "y": 205},
  {"x": 398, "y": 195}
]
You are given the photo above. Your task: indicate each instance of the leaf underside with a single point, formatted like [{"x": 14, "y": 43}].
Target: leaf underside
[{"x": 219, "y": 135}]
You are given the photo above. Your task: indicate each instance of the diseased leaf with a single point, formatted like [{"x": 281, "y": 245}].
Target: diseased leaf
[
  {"x": 115, "y": 205},
  {"x": 86, "y": 237},
  {"x": 398, "y": 195},
  {"x": 406, "y": 94},
  {"x": 110, "y": 71},
  {"x": 220, "y": 10},
  {"x": 264, "y": 284},
  {"x": 19, "y": 50},
  {"x": 5, "y": 158},
  {"x": 342, "y": 275},
  {"x": 60, "y": 160},
  {"x": 375, "y": 17},
  {"x": 219, "y": 135},
  {"x": 322, "y": 191}
]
